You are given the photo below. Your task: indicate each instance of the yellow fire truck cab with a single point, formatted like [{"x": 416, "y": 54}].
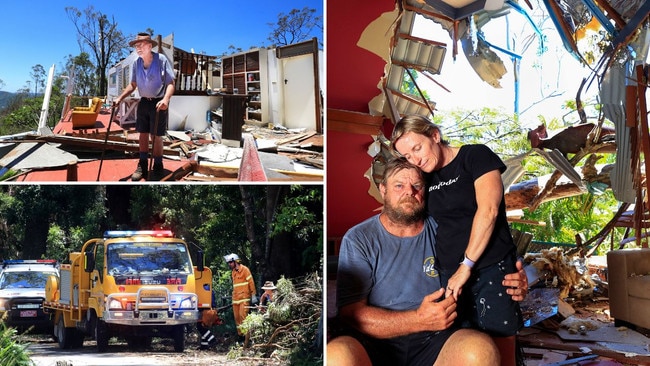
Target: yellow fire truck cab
[{"x": 130, "y": 284}]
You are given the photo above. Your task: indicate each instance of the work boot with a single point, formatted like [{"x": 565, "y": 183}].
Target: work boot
[
  {"x": 158, "y": 171},
  {"x": 141, "y": 171}
]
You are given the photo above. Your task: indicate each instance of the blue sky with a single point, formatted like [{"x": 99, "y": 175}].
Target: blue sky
[{"x": 40, "y": 32}]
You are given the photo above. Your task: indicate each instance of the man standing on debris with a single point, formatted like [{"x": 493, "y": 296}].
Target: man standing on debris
[
  {"x": 390, "y": 298},
  {"x": 243, "y": 291},
  {"x": 153, "y": 75}
]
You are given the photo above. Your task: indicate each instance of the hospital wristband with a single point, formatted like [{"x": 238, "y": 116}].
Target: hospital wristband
[{"x": 468, "y": 262}]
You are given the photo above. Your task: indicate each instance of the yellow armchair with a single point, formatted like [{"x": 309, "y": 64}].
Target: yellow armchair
[{"x": 84, "y": 117}]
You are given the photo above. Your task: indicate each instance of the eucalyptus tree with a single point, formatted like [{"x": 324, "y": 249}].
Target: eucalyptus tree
[
  {"x": 98, "y": 34},
  {"x": 297, "y": 26},
  {"x": 38, "y": 75}
]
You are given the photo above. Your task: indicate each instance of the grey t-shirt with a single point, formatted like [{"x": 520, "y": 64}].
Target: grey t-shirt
[{"x": 390, "y": 272}]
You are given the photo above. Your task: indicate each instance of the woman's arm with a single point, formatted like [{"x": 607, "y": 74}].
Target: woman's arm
[{"x": 489, "y": 192}]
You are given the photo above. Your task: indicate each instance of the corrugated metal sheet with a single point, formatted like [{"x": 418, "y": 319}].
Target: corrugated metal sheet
[
  {"x": 419, "y": 55},
  {"x": 514, "y": 171},
  {"x": 612, "y": 94}
]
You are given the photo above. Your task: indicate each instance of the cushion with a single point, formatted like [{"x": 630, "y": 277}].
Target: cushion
[{"x": 639, "y": 286}]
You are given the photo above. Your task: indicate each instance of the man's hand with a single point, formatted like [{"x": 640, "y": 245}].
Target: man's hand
[
  {"x": 437, "y": 315},
  {"x": 162, "y": 105},
  {"x": 517, "y": 283}
]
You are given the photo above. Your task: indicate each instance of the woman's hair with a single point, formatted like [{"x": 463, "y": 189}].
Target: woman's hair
[{"x": 416, "y": 124}]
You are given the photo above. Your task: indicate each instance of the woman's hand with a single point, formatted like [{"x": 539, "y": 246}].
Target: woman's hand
[{"x": 456, "y": 282}]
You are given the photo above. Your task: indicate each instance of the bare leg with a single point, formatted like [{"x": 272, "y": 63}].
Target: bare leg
[
  {"x": 468, "y": 347},
  {"x": 143, "y": 142},
  {"x": 346, "y": 351}
]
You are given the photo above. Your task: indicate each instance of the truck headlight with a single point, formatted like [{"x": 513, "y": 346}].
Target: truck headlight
[
  {"x": 3, "y": 305},
  {"x": 188, "y": 302},
  {"x": 114, "y": 304}
]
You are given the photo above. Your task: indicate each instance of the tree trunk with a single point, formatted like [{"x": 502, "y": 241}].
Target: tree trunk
[
  {"x": 273, "y": 195},
  {"x": 35, "y": 239},
  {"x": 248, "y": 202}
]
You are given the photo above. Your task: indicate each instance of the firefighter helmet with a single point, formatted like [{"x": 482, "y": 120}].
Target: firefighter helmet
[{"x": 231, "y": 258}]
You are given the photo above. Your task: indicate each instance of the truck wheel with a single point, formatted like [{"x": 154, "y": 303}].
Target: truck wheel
[
  {"x": 178, "y": 334},
  {"x": 58, "y": 330},
  {"x": 68, "y": 337},
  {"x": 101, "y": 335}
]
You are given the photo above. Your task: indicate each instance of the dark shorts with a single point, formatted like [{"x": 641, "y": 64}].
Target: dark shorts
[
  {"x": 146, "y": 117},
  {"x": 484, "y": 303},
  {"x": 412, "y": 350}
]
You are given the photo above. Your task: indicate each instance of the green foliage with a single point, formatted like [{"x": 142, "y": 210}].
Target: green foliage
[
  {"x": 12, "y": 352},
  {"x": 408, "y": 85},
  {"x": 30, "y": 210},
  {"x": 584, "y": 214},
  {"x": 85, "y": 76},
  {"x": 289, "y": 329},
  {"x": 492, "y": 127},
  {"x": 205, "y": 215},
  {"x": 23, "y": 112},
  {"x": 299, "y": 215},
  {"x": 100, "y": 34},
  {"x": 61, "y": 242}
]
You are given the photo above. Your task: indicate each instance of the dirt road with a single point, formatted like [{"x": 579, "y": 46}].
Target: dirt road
[{"x": 45, "y": 352}]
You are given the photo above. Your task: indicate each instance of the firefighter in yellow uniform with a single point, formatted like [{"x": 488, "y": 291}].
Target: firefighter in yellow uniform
[{"x": 243, "y": 290}]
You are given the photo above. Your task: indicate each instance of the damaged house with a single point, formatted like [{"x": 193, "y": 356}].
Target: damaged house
[{"x": 250, "y": 116}]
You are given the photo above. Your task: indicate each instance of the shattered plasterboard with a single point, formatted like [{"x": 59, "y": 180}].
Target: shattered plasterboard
[
  {"x": 378, "y": 34},
  {"x": 34, "y": 155}
]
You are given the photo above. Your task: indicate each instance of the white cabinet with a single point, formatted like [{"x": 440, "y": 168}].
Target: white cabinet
[{"x": 247, "y": 73}]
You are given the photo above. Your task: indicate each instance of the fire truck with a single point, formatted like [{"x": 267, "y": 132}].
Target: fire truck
[
  {"x": 22, "y": 291},
  {"x": 134, "y": 285}
]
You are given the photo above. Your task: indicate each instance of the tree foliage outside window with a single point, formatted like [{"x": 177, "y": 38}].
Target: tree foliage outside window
[{"x": 584, "y": 215}]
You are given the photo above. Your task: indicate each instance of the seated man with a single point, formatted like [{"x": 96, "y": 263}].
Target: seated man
[{"x": 389, "y": 290}]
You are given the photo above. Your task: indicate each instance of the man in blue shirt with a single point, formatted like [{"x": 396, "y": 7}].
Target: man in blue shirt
[
  {"x": 389, "y": 293},
  {"x": 153, "y": 76}
]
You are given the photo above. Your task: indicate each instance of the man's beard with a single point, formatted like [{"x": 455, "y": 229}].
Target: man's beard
[{"x": 398, "y": 214}]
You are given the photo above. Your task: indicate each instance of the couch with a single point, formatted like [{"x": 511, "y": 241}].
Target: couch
[
  {"x": 628, "y": 276},
  {"x": 84, "y": 117}
]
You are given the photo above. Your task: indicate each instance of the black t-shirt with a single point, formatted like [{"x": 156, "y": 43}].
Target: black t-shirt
[{"x": 451, "y": 201}]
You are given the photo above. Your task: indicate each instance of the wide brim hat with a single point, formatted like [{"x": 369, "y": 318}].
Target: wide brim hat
[
  {"x": 268, "y": 285},
  {"x": 143, "y": 37}
]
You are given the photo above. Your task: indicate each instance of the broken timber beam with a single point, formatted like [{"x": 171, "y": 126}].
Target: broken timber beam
[{"x": 99, "y": 145}]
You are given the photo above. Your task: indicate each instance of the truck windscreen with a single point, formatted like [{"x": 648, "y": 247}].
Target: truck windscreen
[
  {"x": 27, "y": 279},
  {"x": 147, "y": 257}
]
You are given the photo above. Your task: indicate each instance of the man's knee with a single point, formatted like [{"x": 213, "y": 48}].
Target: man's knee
[
  {"x": 346, "y": 350},
  {"x": 469, "y": 347}
]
